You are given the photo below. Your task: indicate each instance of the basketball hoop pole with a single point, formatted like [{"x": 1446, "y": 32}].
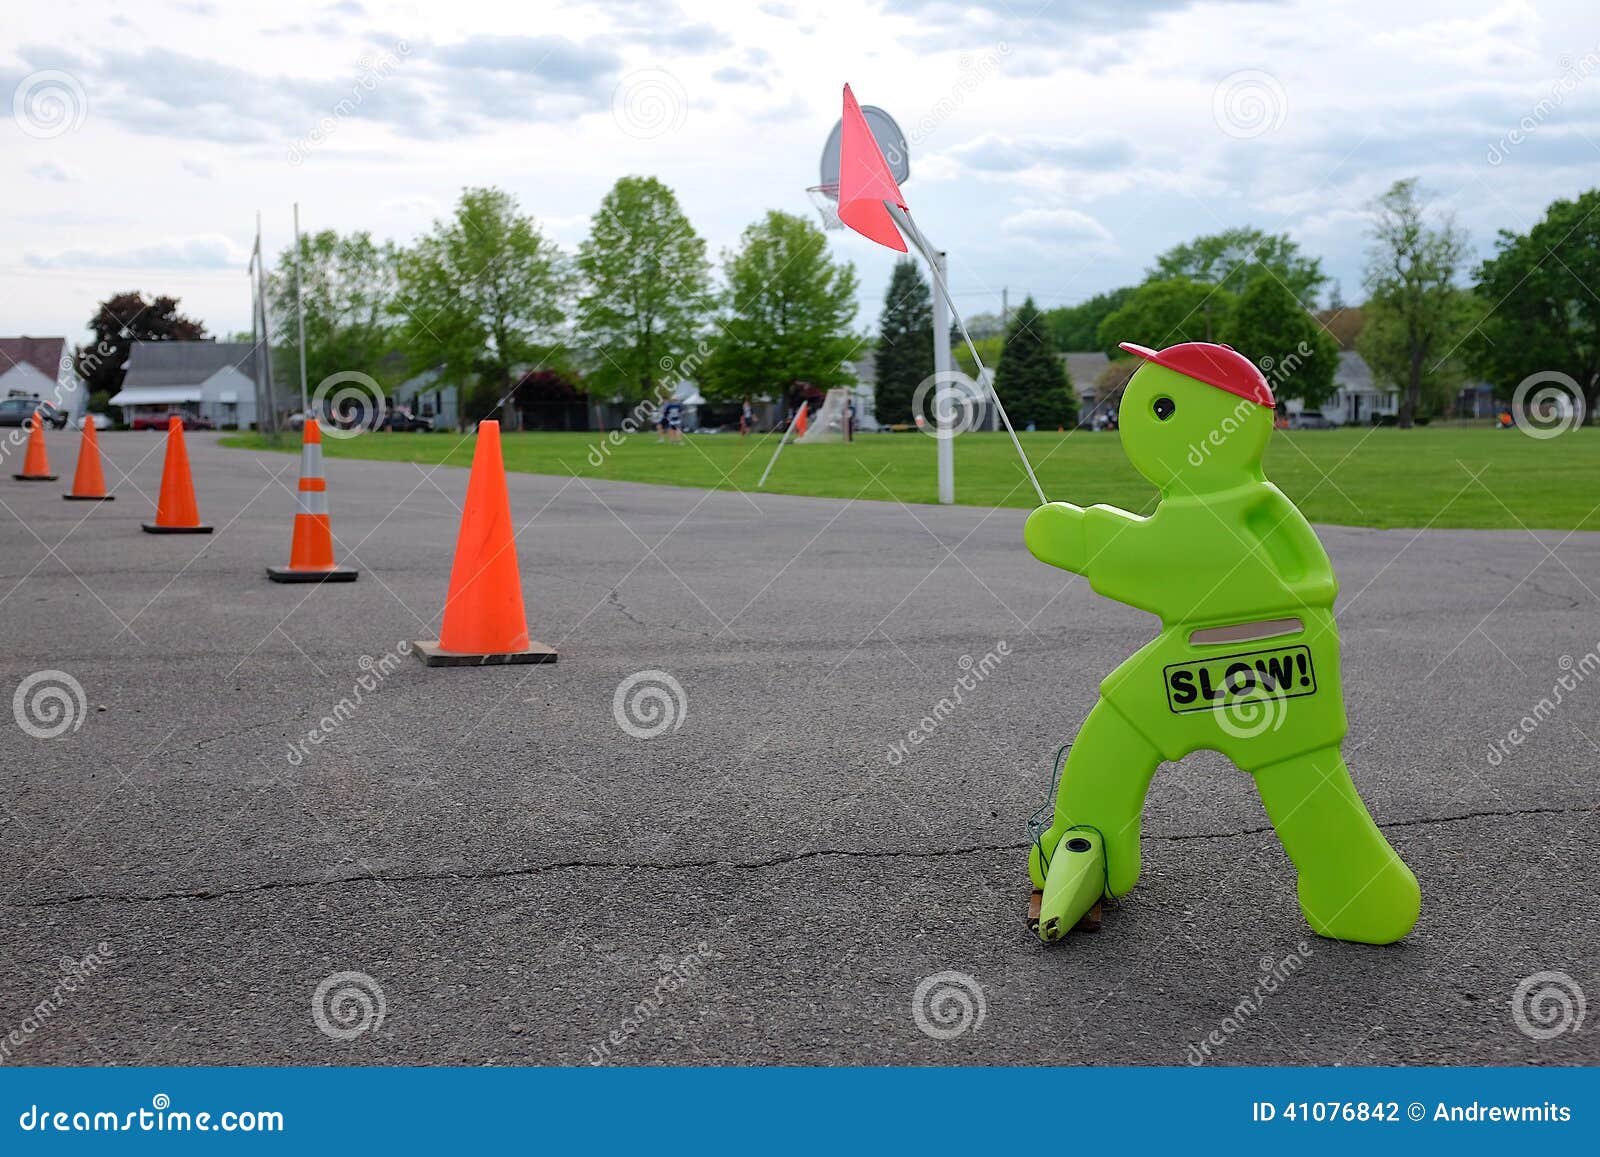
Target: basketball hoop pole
[
  {"x": 936, "y": 262},
  {"x": 942, "y": 367}
]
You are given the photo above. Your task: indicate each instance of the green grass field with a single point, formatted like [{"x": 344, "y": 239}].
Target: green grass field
[{"x": 1433, "y": 476}]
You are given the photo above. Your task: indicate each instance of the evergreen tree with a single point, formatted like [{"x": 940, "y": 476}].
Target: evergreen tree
[
  {"x": 904, "y": 358},
  {"x": 1032, "y": 379}
]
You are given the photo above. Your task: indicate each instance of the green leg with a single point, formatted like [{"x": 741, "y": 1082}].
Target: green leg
[
  {"x": 1353, "y": 885},
  {"x": 1103, "y": 788}
]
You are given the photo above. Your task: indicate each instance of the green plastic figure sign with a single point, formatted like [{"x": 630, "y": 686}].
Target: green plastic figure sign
[{"x": 1247, "y": 661}]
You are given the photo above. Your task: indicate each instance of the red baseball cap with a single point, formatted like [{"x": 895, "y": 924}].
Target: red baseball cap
[{"x": 1215, "y": 365}]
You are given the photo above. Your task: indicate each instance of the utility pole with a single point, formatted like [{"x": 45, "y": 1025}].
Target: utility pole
[{"x": 300, "y": 307}]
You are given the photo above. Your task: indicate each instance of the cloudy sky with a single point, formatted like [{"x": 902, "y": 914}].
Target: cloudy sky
[{"x": 1056, "y": 147}]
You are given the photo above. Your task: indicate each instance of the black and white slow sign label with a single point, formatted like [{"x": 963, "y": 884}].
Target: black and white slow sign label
[{"x": 1205, "y": 684}]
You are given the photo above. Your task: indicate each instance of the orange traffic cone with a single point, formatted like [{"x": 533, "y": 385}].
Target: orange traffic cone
[
  {"x": 36, "y": 465},
  {"x": 801, "y": 421},
  {"x": 311, "y": 550},
  {"x": 89, "y": 482},
  {"x": 484, "y": 622},
  {"x": 176, "y": 512}
]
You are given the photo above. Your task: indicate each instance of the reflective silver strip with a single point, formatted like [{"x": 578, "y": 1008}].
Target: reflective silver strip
[
  {"x": 311, "y": 460},
  {"x": 313, "y": 502}
]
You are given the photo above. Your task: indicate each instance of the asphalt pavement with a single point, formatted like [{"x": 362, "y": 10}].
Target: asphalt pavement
[{"x": 266, "y": 834}]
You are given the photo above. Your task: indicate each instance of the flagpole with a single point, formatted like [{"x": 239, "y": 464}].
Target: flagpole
[{"x": 781, "y": 441}]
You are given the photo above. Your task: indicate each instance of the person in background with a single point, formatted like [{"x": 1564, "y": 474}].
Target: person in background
[
  {"x": 747, "y": 418},
  {"x": 672, "y": 420},
  {"x": 850, "y": 419}
]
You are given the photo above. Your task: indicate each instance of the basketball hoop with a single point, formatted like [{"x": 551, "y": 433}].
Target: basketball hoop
[
  {"x": 826, "y": 200},
  {"x": 891, "y": 142}
]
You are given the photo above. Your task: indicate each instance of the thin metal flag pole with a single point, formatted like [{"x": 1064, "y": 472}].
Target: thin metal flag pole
[
  {"x": 781, "y": 441},
  {"x": 902, "y": 218}
]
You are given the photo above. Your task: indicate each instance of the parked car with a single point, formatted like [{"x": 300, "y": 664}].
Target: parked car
[
  {"x": 160, "y": 421},
  {"x": 1309, "y": 420},
  {"x": 402, "y": 420},
  {"x": 17, "y": 411},
  {"x": 101, "y": 422}
]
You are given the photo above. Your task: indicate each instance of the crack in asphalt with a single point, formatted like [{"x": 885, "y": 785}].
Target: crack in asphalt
[{"x": 692, "y": 865}]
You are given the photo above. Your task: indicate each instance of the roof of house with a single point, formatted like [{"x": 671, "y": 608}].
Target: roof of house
[
  {"x": 184, "y": 363},
  {"x": 1084, "y": 367},
  {"x": 1354, "y": 375},
  {"x": 44, "y": 354}
]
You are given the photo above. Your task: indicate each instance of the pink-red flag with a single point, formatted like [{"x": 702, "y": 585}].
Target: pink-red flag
[{"x": 865, "y": 182}]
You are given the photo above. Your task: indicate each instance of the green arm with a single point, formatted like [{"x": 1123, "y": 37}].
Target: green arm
[{"x": 1055, "y": 534}]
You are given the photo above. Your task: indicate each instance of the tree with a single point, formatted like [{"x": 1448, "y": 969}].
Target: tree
[
  {"x": 1545, "y": 316},
  {"x": 1163, "y": 313},
  {"x": 786, "y": 312},
  {"x": 904, "y": 357},
  {"x": 1416, "y": 316},
  {"x": 1031, "y": 378},
  {"x": 1271, "y": 328},
  {"x": 482, "y": 294},
  {"x": 1235, "y": 256},
  {"x": 118, "y": 322},
  {"x": 983, "y": 325},
  {"x": 348, "y": 286},
  {"x": 646, "y": 289},
  {"x": 1077, "y": 327}
]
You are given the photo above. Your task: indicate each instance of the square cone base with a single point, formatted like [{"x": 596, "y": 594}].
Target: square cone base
[
  {"x": 436, "y": 656},
  {"x": 335, "y": 574},
  {"x": 36, "y": 477},
  {"x": 153, "y": 528},
  {"x": 90, "y": 497}
]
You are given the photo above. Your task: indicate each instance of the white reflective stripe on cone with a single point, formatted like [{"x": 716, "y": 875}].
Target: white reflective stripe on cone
[
  {"x": 313, "y": 502},
  {"x": 311, "y": 461}
]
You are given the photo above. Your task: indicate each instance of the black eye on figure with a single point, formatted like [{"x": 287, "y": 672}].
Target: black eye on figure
[{"x": 1164, "y": 408}]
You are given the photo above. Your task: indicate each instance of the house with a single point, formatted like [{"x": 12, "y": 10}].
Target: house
[
  {"x": 1085, "y": 369},
  {"x": 42, "y": 368},
  {"x": 428, "y": 396},
  {"x": 1356, "y": 400},
  {"x": 214, "y": 379}
]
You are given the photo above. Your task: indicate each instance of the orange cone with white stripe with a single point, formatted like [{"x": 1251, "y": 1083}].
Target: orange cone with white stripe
[
  {"x": 311, "y": 551},
  {"x": 484, "y": 621},
  {"x": 36, "y": 466},
  {"x": 89, "y": 482},
  {"x": 176, "y": 512}
]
